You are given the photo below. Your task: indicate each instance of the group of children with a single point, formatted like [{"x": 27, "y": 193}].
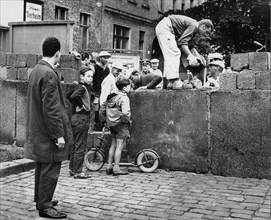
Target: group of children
[{"x": 114, "y": 104}]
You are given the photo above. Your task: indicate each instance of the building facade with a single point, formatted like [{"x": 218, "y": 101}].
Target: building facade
[{"x": 119, "y": 26}]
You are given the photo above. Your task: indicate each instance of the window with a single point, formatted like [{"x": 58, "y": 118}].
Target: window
[
  {"x": 161, "y": 5},
  {"x": 183, "y": 6},
  {"x": 141, "y": 39},
  {"x": 192, "y": 3},
  {"x": 61, "y": 13},
  {"x": 174, "y": 5},
  {"x": 84, "y": 25},
  {"x": 121, "y": 37}
]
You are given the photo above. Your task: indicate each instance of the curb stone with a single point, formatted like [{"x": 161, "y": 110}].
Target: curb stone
[{"x": 16, "y": 166}]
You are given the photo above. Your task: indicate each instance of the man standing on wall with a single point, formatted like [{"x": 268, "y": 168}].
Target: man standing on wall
[
  {"x": 48, "y": 128},
  {"x": 183, "y": 29}
]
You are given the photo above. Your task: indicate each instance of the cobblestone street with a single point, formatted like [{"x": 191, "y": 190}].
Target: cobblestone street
[{"x": 160, "y": 195}]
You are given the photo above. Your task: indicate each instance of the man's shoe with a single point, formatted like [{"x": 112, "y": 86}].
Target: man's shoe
[
  {"x": 187, "y": 85},
  {"x": 196, "y": 83},
  {"x": 177, "y": 84},
  {"x": 109, "y": 171},
  {"x": 51, "y": 213},
  {"x": 71, "y": 173},
  {"x": 54, "y": 202},
  {"x": 119, "y": 172},
  {"x": 80, "y": 176},
  {"x": 169, "y": 85}
]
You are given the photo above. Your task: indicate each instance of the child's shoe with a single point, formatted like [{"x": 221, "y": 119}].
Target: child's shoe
[{"x": 119, "y": 172}]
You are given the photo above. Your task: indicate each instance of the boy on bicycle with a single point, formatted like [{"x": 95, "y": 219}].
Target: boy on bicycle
[{"x": 118, "y": 116}]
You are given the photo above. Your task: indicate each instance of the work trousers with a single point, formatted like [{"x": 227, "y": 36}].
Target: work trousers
[
  {"x": 80, "y": 125},
  {"x": 46, "y": 177},
  {"x": 171, "y": 52}
]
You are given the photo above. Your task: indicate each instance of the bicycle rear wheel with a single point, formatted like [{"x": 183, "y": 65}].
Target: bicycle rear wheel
[
  {"x": 147, "y": 161},
  {"x": 94, "y": 160}
]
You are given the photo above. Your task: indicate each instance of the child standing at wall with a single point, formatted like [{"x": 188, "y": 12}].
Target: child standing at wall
[
  {"x": 118, "y": 116},
  {"x": 80, "y": 99}
]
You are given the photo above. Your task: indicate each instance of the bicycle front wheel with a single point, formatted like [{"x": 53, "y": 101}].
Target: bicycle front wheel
[
  {"x": 147, "y": 161},
  {"x": 94, "y": 160}
]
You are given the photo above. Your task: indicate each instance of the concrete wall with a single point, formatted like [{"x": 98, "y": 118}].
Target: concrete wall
[{"x": 225, "y": 132}]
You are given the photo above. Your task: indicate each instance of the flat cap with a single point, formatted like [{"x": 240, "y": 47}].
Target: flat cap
[
  {"x": 218, "y": 63},
  {"x": 104, "y": 54}
]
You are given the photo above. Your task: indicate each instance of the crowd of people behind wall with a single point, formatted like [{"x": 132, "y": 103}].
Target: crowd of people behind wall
[{"x": 102, "y": 88}]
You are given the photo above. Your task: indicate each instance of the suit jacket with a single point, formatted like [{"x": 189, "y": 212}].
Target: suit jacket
[{"x": 47, "y": 118}]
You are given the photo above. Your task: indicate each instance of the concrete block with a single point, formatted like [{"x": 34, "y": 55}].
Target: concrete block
[
  {"x": 3, "y": 59},
  {"x": 10, "y": 152},
  {"x": 26, "y": 164},
  {"x": 173, "y": 123},
  {"x": 259, "y": 61},
  {"x": 239, "y": 61},
  {"x": 228, "y": 81},
  {"x": 21, "y": 60},
  {"x": 3, "y": 72},
  {"x": 246, "y": 80},
  {"x": 263, "y": 80},
  {"x": 12, "y": 73},
  {"x": 22, "y": 73},
  {"x": 16, "y": 166},
  {"x": 69, "y": 61},
  {"x": 68, "y": 74},
  {"x": 21, "y": 103},
  {"x": 31, "y": 60},
  {"x": 240, "y": 137},
  {"x": 11, "y": 59},
  {"x": 10, "y": 167},
  {"x": 7, "y": 111},
  {"x": 29, "y": 70}
]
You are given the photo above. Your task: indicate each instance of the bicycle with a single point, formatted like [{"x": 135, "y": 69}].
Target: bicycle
[{"x": 147, "y": 160}]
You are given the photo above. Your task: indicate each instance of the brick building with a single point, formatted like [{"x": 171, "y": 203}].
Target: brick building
[{"x": 116, "y": 25}]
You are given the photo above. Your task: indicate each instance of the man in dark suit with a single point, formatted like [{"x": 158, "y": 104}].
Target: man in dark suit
[{"x": 48, "y": 128}]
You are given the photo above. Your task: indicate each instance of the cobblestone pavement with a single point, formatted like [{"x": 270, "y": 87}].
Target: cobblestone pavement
[{"x": 160, "y": 195}]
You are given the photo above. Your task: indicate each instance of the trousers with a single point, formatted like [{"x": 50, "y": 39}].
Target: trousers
[
  {"x": 46, "y": 177},
  {"x": 80, "y": 125},
  {"x": 171, "y": 52}
]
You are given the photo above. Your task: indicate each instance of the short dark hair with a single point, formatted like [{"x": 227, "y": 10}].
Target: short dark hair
[
  {"x": 83, "y": 70},
  {"x": 50, "y": 46},
  {"x": 122, "y": 81},
  {"x": 135, "y": 73},
  {"x": 85, "y": 55}
]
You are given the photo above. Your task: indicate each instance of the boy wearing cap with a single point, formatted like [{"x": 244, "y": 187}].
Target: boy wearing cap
[
  {"x": 149, "y": 81},
  {"x": 183, "y": 29},
  {"x": 101, "y": 71},
  {"x": 81, "y": 108},
  {"x": 215, "y": 68},
  {"x": 156, "y": 71}
]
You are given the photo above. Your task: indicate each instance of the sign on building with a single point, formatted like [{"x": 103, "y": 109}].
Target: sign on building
[
  {"x": 33, "y": 12},
  {"x": 129, "y": 60}
]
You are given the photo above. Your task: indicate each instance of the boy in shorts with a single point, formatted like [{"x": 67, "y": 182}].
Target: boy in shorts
[{"x": 118, "y": 116}]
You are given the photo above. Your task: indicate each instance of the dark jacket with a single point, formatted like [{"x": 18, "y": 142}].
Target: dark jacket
[
  {"x": 47, "y": 118},
  {"x": 98, "y": 78},
  {"x": 150, "y": 80}
]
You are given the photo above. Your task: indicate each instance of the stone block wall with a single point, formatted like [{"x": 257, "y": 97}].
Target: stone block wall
[
  {"x": 225, "y": 132},
  {"x": 248, "y": 71},
  {"x": 18, "y": 66}
]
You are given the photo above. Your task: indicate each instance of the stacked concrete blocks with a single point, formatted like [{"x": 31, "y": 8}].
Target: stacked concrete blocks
[
  {"x": 249, "y": 71},
  {"x": 240, "y": 122}
]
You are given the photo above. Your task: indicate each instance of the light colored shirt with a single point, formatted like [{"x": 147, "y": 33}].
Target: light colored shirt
[{"x": 108, "y": 87}]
